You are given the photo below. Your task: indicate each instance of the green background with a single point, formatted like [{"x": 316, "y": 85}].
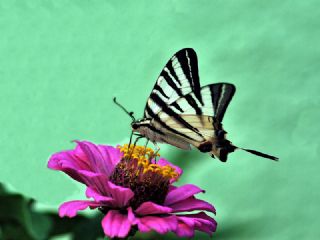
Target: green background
[{"x": 61, "y": 62}]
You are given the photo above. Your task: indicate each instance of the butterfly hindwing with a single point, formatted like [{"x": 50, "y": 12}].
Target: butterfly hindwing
[
  {"x": 216, "y": 98},
  {"x": 204, "y": 139},
  {"x": 193, "y": 121},
  {"x": 221, "y": 95}
]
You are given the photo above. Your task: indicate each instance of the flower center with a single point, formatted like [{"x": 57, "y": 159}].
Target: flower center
[{"x": 148, "y": 180}]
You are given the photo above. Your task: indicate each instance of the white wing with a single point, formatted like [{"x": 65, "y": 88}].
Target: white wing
[
  {"x": 178, "y": 78},
  {"x": 216, "y": 98}
]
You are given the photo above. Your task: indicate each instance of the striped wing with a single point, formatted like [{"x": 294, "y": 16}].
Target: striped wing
[
  {"x": 216, "y": 98},
  {"x": 192, "y": 120},
  {"x": 186, "y": 136},
  {"x": 203, "y": 124},
  {"x": 178, "y": 78}
]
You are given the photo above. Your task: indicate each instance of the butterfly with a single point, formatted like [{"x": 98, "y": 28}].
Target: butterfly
[{"x": 181, "y": 113}]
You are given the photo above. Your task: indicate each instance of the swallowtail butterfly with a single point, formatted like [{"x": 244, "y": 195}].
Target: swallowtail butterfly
[{"x": 182, "y": 113}]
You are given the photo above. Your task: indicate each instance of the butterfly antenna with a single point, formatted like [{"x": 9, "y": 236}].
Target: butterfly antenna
[{"x": 123, "y": 108}]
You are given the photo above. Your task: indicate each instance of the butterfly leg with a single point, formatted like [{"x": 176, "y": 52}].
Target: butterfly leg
[
  {"x": 156, "y": 152},
  {"x": 130, "y": 140},
  {"x": 135, "y": 142},
  {"x": 137, "y": 139},
  {"x": 145, "y": 146}
]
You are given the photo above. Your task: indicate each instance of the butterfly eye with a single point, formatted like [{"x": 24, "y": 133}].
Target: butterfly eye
[{"x": 134, "y": 125}]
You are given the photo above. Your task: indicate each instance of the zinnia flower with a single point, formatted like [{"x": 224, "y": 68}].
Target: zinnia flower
[{"x": 133, "y": 191}]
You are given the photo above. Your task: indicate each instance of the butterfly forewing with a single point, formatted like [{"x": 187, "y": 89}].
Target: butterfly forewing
[{"x": 178, "y": 78}]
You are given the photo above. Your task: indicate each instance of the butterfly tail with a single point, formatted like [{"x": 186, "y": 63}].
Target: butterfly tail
[
  {"x": 222, "y": 152},
  {"x": 260, "y": 154}
]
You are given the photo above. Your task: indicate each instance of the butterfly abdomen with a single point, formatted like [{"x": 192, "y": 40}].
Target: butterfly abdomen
[
  {"x": 224, "y": 150},
  {"x": 154, "y": 135},
  {"x": 218, "y": 146},
  {"x": 205, "y": 146}
]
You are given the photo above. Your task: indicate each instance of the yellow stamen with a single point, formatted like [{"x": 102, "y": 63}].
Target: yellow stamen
[{"x": 143, "y": 155}]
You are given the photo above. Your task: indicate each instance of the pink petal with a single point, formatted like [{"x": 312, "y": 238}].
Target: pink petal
[
  {"x": 96, "y": 181},
  {"x": 86, "y": 156},
  {"x": 53, "y": 162},
  {"x": 112, "y": 155},
  {"x": 183, "y": 230},
  {"x": 102, "y": 158},
  {"x": 103, "y": 187},
  {"x": 121, "y": 195},
  {"x": 206, "y": 228},
  {"x": 71, "y": 208},
  {"x": 148, "y": 208},
  {"x": 103, "y": 200},
  {"x": 116, "y": 224},
  {"x": 74, "y": 159},
  {"x": 161, "y": 225},
  {"x": 181, "y": 193},
  {"x": 131, "y": 216},
  {"x": 191, "y": 204},
  {"x": 64, "y": 162},
  {"x": 199, "y": 221}
]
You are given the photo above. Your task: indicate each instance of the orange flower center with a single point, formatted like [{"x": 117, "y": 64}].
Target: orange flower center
[
  {"x": 149, "y": 181},
  {"x": 143, "y": 156}
]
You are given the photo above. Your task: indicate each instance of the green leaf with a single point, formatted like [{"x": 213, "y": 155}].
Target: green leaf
[{"x": 15, "y": 218}]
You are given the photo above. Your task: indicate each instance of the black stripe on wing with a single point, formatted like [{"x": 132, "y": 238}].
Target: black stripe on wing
[
  {"x": 152, "y": 128},
  {"x": 216, "y": 98},
  {"x": 221, "y": 95},
  {"x": 171, "y": 83},
  {"x": 177, "y": 106},
  {"x": 170, "y": 112},
  {"x": 192, "y": 102},
  {"x": 189, "y": 63},
  {"x": 171, "y": 70},
  {"x": 164, "y": 125},
  {"x": 160, "y": 90},
  {"x": 178, "y": 78}
]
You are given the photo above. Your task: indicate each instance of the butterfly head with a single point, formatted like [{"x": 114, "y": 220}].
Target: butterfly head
[{"x": 135, "y": 125}]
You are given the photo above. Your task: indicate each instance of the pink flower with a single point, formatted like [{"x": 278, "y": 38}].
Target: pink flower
[{"x": 133, "y": 191}]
